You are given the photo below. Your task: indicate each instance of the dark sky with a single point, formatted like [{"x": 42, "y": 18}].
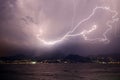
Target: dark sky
[{"x": 36, "y": 26}]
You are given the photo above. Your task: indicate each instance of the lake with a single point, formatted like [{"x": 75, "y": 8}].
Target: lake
[{"x": 80, "y": 71}]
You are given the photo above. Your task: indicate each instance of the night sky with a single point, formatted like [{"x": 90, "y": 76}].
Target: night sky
[{"x": 40, "y": 27}]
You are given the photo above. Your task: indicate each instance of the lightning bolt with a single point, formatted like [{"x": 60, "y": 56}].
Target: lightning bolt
[
  {"x": 85, "y": 32},
  {"x": 74, "y": 12}
]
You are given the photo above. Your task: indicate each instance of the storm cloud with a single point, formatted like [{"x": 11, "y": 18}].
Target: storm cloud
[{"x": 21, "y": 21}]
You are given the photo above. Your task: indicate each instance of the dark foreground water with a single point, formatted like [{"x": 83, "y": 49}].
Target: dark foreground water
[{"x": 60, "y": 72}]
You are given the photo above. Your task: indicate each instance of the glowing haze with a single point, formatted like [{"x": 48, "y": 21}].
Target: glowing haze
[{"x": 46, "y": 25}]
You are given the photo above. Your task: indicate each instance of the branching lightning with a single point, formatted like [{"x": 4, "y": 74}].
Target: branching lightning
[{"x": 85, "y": 32}]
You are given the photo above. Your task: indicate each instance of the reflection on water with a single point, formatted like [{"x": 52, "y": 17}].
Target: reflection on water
[{"x": 60, "y": 72}]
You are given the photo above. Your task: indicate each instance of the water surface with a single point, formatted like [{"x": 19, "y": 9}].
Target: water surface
[{"x": 53, "y": 71}]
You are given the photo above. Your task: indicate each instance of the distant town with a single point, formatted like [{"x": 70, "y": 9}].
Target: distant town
[{"x": 67, "y": 59}]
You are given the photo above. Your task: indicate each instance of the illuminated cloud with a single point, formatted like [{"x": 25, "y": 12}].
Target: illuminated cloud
[{"x": 39, "y": 23}]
